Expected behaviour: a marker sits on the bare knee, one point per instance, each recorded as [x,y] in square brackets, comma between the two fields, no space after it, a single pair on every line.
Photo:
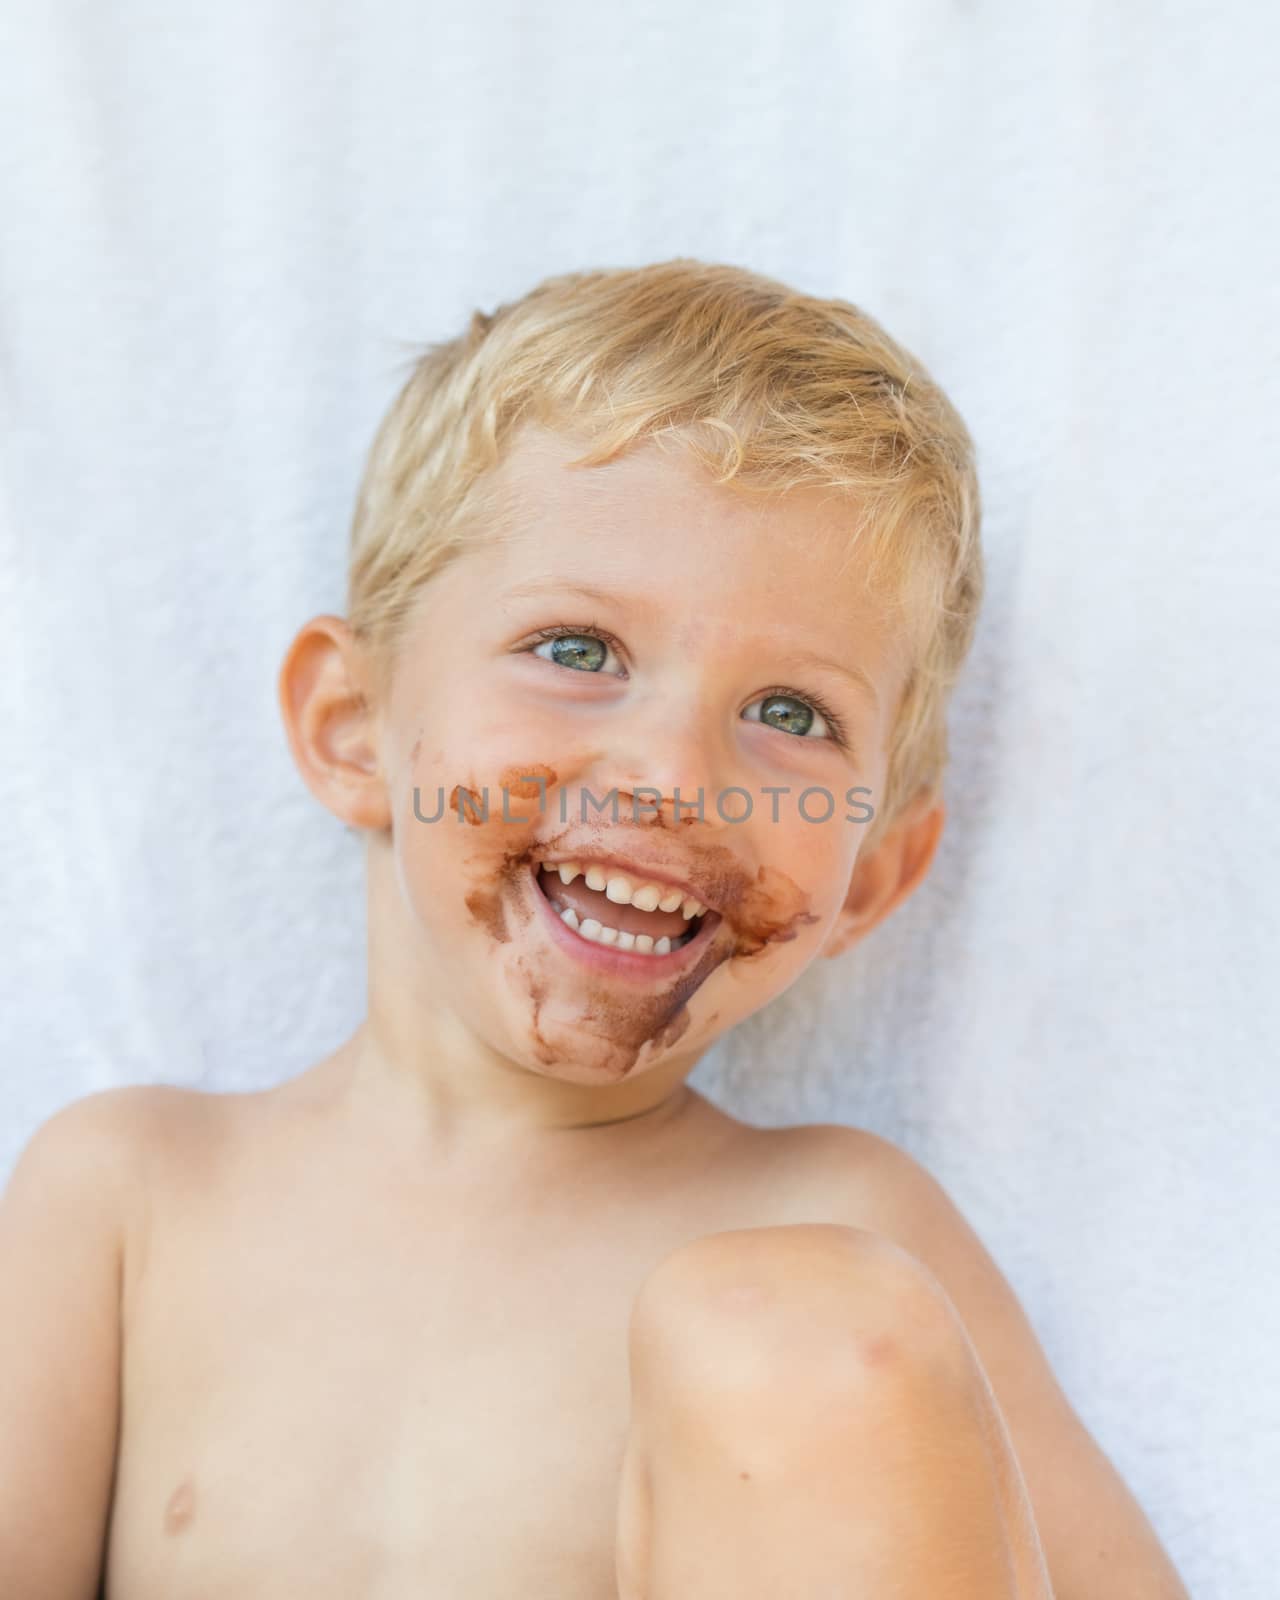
[811,1387]
[763,1319]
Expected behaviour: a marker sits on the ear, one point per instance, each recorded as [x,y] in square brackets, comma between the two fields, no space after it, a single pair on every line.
[885,877]
[330,722]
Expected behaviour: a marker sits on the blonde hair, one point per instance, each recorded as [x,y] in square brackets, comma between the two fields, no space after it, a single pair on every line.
[770,390]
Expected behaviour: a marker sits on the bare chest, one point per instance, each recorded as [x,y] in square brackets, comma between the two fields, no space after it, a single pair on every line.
[326,1400]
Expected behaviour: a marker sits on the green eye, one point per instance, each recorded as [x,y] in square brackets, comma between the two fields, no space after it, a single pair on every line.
[576,648]
[570,650]
[788,713]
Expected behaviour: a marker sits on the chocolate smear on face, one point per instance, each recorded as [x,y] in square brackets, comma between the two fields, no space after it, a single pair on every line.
[493,902]
[537,993]
[661,1020]
[470,809]
[520,800]
[756,911]
[769,911]
[533,781]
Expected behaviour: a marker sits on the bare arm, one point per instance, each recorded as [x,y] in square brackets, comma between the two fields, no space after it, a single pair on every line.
[1097,1540]
[62,1230]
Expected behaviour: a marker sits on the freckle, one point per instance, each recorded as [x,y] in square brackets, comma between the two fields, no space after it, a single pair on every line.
[181,1508]
[744,1474]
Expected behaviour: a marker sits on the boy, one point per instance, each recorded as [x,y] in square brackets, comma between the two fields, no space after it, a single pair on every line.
[659,582]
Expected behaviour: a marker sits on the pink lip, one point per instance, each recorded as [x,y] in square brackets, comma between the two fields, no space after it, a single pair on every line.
[611,962]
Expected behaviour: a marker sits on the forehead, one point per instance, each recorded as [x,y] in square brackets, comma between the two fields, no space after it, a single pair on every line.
[655,522]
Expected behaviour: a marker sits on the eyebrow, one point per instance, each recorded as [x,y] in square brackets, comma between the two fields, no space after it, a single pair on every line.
[561,586]
[806,658]
[802,658]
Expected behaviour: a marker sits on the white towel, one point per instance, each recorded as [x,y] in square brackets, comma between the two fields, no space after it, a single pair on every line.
[223,230]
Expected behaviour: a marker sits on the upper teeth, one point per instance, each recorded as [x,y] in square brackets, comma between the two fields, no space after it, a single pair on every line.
[626,891]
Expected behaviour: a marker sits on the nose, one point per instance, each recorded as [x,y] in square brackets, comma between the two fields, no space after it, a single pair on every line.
[669,741]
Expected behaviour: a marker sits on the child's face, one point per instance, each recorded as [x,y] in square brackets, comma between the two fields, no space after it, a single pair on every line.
[707,630]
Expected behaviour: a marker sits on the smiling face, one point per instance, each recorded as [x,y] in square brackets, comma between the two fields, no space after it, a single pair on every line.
[635,634]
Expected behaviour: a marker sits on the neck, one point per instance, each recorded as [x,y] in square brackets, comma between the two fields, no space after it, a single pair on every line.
[415,1051]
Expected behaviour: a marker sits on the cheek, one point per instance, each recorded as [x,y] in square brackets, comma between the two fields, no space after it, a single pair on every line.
[465,831]
[466,743]
[817,856]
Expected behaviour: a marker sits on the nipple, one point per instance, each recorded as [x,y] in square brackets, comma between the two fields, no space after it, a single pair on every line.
[181,1508]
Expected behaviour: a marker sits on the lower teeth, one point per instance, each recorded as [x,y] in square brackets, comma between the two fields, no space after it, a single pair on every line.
[639,943]
[595,932]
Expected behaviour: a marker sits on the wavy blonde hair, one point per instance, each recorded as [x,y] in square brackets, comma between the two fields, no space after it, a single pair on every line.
[770,390]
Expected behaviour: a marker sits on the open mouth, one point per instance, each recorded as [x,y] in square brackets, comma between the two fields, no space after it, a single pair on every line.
[605,906]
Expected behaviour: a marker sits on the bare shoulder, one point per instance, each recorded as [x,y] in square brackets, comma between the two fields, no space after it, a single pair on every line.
[875,1184]
[865,1180]
[105,1155]
[105,1135]
[860,1177]
[96,1140]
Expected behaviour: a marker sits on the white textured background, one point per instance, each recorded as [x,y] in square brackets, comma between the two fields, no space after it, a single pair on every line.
[221,229]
